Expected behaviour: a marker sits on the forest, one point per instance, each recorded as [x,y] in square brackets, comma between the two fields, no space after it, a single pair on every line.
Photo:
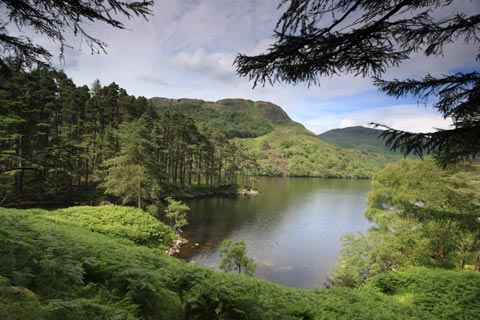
[84,144]
[63,141]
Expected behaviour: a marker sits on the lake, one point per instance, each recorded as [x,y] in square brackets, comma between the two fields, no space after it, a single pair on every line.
[292,229]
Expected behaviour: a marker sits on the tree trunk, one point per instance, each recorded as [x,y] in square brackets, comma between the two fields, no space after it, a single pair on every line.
[477,263]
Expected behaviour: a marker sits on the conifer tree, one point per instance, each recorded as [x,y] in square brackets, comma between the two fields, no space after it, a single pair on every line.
[133,174]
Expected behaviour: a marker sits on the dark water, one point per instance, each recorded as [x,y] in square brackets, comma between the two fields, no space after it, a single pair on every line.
[292,229]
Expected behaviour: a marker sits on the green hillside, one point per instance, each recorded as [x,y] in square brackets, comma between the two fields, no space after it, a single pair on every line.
[281,146]
[361,138]
[55,267]
[294,151]
[236,118]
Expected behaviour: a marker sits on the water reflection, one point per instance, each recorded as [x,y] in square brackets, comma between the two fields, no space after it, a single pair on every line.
[292,229]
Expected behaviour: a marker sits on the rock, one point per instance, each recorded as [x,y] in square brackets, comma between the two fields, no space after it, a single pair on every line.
[248,192]
[106,203]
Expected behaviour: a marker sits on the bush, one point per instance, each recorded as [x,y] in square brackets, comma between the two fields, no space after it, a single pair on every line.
[124,222]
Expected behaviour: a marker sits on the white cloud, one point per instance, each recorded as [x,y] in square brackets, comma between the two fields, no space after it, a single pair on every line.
[410,117]
[151,79]
[347,123]
[217,65]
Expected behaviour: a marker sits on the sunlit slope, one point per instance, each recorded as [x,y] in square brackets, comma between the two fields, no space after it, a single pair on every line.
[295,151]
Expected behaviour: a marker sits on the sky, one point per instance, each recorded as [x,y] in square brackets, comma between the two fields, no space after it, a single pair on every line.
[187,48]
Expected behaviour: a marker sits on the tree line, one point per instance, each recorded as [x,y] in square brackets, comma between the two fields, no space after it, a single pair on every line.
[58,138]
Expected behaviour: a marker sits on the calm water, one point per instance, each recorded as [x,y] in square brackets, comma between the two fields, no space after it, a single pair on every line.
[292,229]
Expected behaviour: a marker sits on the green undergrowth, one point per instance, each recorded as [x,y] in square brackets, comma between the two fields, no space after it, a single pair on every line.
[54,267]
[118,221]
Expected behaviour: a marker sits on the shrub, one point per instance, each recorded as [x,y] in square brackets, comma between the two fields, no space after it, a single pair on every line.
[124,222]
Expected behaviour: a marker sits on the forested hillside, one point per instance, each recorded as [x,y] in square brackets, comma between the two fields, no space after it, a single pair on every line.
[281,146]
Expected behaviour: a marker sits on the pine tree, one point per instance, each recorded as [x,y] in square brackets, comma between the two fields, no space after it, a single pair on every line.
[133,174]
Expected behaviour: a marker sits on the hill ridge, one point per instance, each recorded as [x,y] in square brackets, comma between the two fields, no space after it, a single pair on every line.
[359,138]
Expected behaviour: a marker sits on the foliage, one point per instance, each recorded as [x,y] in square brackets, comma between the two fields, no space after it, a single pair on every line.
[132,175]
[423,215]
[235,258]
[177,212]
[427,290]
[123,222]
[60,270]
[316,38]
[54,18]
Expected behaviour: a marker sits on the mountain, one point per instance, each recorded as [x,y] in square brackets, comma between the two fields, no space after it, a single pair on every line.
[360,138]
[281,146]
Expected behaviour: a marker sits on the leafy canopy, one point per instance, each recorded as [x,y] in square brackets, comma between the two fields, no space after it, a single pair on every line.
[422,215]
[316,38]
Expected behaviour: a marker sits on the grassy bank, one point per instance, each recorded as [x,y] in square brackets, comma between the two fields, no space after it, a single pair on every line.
[92,263]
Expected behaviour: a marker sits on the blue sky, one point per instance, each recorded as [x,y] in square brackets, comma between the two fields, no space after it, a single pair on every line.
[187,48]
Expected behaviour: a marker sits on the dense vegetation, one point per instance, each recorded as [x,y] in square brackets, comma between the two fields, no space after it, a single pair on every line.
[423,216]
[361,138]
[281,146]
[57,138]
[56,269]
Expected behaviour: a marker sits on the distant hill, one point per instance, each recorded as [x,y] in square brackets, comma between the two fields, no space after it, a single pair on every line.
[281,146]
[360,138]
